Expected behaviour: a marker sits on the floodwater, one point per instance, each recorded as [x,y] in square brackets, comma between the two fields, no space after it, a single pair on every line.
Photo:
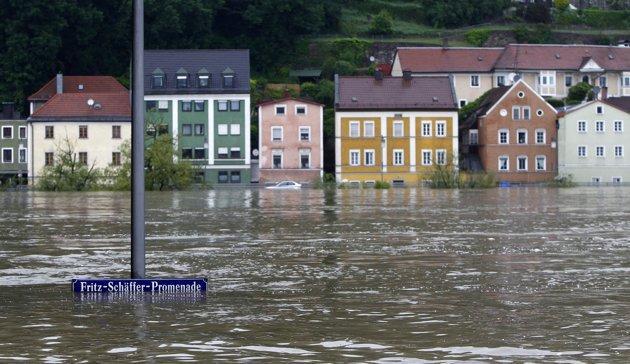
[404,275]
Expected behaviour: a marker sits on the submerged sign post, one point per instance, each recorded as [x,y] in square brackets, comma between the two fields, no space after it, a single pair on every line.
[138,283]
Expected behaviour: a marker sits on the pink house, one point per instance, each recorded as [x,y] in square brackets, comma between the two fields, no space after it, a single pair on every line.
[290,140]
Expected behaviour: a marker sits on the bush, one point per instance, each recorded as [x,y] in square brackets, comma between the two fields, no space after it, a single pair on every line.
[449,177]
[579,93]
[67,173]
[607,19]
[478,37]
[539,34]
[562,182]
[382,23]
[381,185]
[561,5]
[162,171]
[325,182]
[555,102]
[537,12]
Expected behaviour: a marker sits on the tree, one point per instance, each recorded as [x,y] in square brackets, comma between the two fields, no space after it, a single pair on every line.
[580,92]
[118,178]
[561,5]
[382,23]
[163,170]
[68,173]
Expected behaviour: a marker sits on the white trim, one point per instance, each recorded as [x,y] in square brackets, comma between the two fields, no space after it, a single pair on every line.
[422,124]
[430,157]
[275,109]
[7,127]
[277,152]
[365,123]
[300,133]
[20,132]
[518,131]
[544,131]
[25,154]
[478,81]
[622,151]
[602,123]
[445,132]
[507,136]
[437,159]
[603,149]
[276,127]
[365,152]
[507,163]
[2,156]
[460,103]
[248,132]
[585,123]
[544,163]
[358,153]
[350,124]
[585,151]
[530,89]
[305,109]
[402,128]
[321,141]
[518,159]
[402,159]
[615,126]
[260,129]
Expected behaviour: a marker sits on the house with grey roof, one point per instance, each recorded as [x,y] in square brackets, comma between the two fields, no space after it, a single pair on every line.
[201,98]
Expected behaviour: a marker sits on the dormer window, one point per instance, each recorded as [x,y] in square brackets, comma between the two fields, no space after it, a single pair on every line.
[158,79]
[182,78]
[203,78]
[228,78]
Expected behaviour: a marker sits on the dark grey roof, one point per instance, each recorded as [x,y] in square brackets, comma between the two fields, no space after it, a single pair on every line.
[214,61]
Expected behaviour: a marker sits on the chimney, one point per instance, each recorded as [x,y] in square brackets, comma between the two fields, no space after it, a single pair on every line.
[604,93]
[378,74]
[406,75]
[8,109]
[59,82]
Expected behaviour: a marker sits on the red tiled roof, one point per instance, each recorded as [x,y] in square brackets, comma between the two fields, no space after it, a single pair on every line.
[298,99]
[622,103]
[91,84]
[394,93]
[433,59]
[73,106]
[563,57]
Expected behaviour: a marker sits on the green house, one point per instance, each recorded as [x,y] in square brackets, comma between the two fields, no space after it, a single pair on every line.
[13,146]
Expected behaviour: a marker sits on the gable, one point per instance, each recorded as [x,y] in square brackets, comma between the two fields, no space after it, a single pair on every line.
[591,66]
[510,98]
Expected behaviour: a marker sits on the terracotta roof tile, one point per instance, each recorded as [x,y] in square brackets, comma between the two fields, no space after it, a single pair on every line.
[432,59]
[563,57]
[622,103]
[71,84]
[287,98]
[75,106]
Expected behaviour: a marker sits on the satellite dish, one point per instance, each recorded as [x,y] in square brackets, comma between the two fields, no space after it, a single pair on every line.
[90,102]
[511,77]
[596,90]
[255,152]
[372,59]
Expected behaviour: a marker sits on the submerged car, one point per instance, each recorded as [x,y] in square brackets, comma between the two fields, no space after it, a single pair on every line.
[285,185]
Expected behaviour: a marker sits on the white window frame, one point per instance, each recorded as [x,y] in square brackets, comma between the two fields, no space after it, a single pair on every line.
[365,158]
[281,133]
[162,104]
[520,116]
[305,110]
[437,128]
[501,83]
[472,132]
[579,147]
[596,180]
[615,123]
[582,122]
[358,154]
[464,101]
[529,113]
[422,154]
[599,108]
[303,152]
[222,129]
[507,136]
[472,84]
[2,156]
[234,149]
[358,125]
[422,130]
[507,163]
[622,151]
[300,133]
[437,157]
[20,128]
[365,128]
[544,157]
[544,134]
[402,157]
[25,154]
[235,132]
[547,83]
[275,109]
[603,149]
[602,123]
[518,159]
[401,125]
[518,131]
[280,153]
[7,127]
[619,178]
[225,103]
[227,152]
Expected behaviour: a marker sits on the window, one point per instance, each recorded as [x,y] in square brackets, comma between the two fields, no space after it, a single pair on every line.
[504,163]
[22,155]
[618,151]
[200,153]
[516,113]
[426,157]
[116,159]
[223,177]
[504,136]
[473,136]
[235,177]
[462,103]
[199,129]
[541,163]
[187,129]
[116,132]
[83,158]
[49,132]
[276,133]
[369,157]
[7,155]
[595,180]
[300,109]
[426,128]
[305,133]
[22,132]
[616,180]
[305,158]
[440,128]
[235,129]
[520,94]
[526,113]
[151,105]
[355,158]
[568,80]
[500,80]
[200,105]
[440,156]
[163,105]
[354,129]
[182,81]
[539,112]
[7,132]
[581,126]
[235,105]
[222,129]
[521,136]
[276,158]
[398,129]
[222,152]
[368,129]
[599,110]
[399,157]
[203,81]
[228,81]
[187,153]
[618,126]
[521,163]
[582,151]
[49,159]
[626,81]
[186,106]
[585,79]
[158,81]
[235,153]
[83,132]
[547,78]
[541,137]
[599,126]
[281,110]
[599,151]
[602,81]
[474,80]
[222,105]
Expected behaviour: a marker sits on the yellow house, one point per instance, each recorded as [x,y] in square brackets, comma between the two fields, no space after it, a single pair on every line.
[394,129]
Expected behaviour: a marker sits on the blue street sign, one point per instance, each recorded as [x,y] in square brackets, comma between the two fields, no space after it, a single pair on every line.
[170,286]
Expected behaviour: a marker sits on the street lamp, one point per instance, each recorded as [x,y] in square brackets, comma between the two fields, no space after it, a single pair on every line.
[382,157]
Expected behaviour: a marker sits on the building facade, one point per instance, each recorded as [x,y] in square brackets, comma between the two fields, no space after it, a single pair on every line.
[593,142]
[291,140]
[201,98]
[514,135]
[394,129]
[13,146]
[548,69]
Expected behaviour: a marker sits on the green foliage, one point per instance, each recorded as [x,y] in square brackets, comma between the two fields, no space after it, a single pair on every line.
[162,171]
[454,13]
[539,34]
[579,92]
[325,182]
[447,176]
[606,19]
[562,182]
[537,12]
[471,107]
[118,178]
[561,5]
[478,37]
[382,185]
[555,102]
[382,23]
[67,173]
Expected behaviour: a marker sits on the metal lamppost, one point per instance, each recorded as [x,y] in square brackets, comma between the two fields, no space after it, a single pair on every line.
[382,156]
